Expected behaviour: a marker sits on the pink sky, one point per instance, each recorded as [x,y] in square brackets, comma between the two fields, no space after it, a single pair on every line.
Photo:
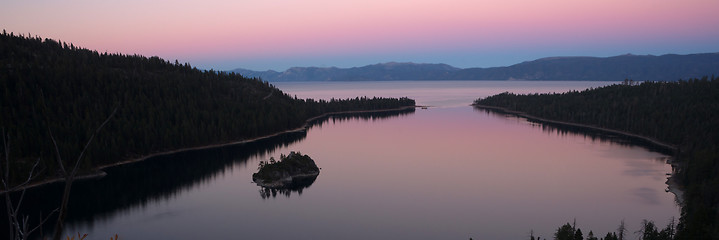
[280,34]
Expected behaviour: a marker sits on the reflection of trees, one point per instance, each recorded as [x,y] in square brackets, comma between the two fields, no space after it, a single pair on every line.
[162,178]
[152,180]
[366,116]
[593,134]
[297,185]
[681,114]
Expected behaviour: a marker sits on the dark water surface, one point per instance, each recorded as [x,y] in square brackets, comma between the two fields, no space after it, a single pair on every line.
[447,172]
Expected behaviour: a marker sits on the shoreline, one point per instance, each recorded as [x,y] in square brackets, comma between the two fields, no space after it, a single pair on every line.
[672,185]
[97,172]
[281,183]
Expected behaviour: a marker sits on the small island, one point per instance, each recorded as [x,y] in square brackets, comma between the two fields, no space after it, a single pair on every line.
[290,169]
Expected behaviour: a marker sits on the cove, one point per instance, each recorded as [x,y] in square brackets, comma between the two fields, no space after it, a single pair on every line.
[446,172]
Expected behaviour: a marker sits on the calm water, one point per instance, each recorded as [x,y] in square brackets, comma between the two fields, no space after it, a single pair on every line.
[447,172]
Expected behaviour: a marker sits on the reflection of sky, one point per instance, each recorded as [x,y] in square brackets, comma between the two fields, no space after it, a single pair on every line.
[647,195]
[440,173]
[432,93]
[459,165]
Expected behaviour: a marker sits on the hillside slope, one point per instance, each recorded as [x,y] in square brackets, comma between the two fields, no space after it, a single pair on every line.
[49,86]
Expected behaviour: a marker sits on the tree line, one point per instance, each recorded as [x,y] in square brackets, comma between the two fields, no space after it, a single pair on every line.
[54,96]
[160,105]
[648,231]
[684,113]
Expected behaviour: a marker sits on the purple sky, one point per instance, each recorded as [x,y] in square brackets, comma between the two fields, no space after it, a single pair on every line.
[263,35]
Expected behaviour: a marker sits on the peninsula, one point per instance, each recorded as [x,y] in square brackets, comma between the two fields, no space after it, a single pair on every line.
[160,107]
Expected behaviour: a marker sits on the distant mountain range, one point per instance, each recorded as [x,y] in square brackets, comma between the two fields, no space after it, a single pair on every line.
[668,67]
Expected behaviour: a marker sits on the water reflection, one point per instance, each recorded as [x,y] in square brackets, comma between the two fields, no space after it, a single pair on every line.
[297,185]
[365,116]
[645,195]
[593,134]
[139,184]
[162,178]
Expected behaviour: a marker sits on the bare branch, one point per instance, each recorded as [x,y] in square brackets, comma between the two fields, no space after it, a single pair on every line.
[70,177]
[6,173]
[24,226]
[29,177]
[42,221]
[18,225]
[6,145]
[54,142]
[57,151]
[77,162]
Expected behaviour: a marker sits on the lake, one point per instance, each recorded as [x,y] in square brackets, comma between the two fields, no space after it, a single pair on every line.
[446,172]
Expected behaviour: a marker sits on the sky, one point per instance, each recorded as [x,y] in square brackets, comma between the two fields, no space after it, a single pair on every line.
[279,34]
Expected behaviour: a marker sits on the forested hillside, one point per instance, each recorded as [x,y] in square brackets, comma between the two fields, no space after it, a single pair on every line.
[683,113]
[47,86]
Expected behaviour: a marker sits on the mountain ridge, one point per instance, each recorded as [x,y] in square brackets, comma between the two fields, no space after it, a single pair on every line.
[667,67]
